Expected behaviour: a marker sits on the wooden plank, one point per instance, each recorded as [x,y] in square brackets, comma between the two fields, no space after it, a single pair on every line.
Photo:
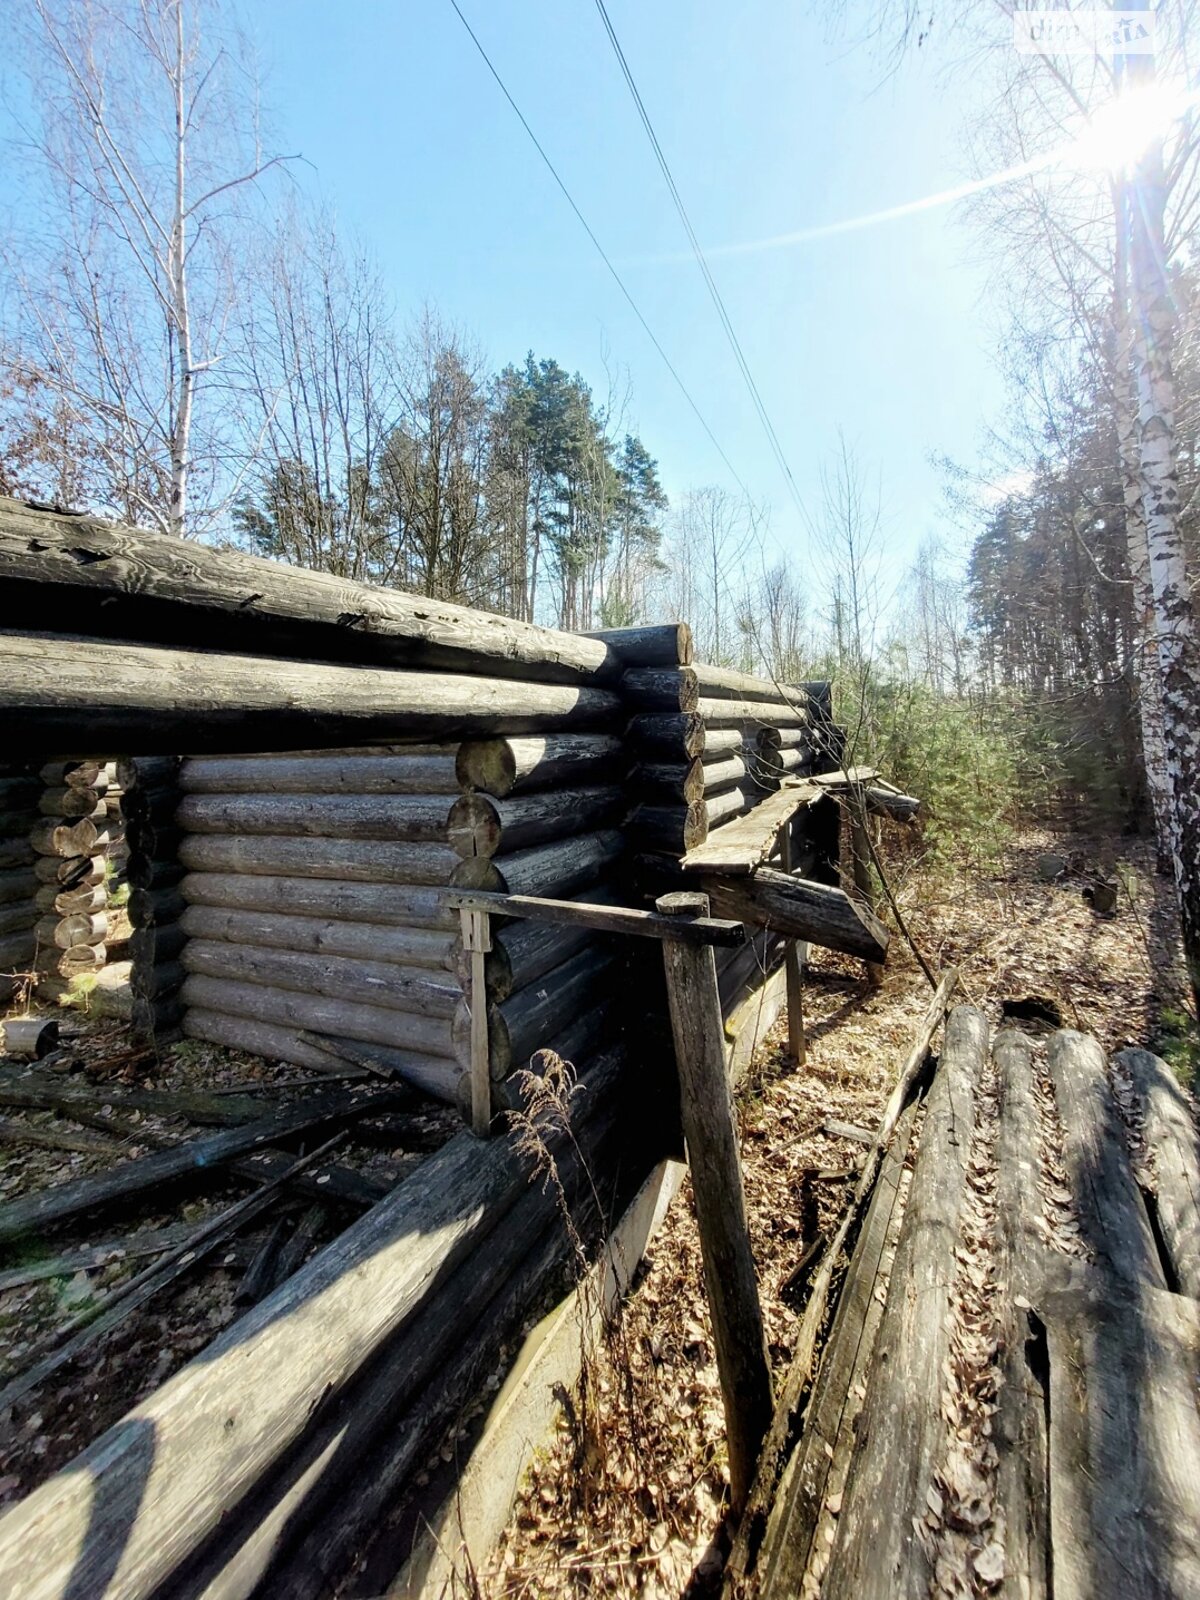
[786,1422]
[1170,1135]
[821,1461]
[602,918]
[878,1555]
[742,845]
[1112,1216]
[1124,1443]
[50,1208]
[710,1130]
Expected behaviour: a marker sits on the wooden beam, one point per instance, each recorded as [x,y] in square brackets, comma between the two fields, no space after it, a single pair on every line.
[395,907]
[660,644]
[814,911]
[506,766]
[480,825]
[82,574]
[710,1129]
[742,845]
[59,690]
[354,861]
[332,774]
[602,918]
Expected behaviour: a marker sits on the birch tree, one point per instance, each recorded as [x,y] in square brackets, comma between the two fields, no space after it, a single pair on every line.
[146,154]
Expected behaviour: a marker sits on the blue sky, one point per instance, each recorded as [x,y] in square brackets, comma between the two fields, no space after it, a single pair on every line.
[768,127]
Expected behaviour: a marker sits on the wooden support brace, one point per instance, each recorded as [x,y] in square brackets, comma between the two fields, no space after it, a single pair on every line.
[477,942]
[711,1134]
[794,954]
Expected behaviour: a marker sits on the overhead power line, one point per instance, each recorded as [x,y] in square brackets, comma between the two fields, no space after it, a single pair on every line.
[715,293]
[600,250]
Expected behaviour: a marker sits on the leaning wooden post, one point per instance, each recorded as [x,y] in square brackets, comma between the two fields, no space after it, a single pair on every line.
[477,941]
[794,955]
[860,855]
[711,1134]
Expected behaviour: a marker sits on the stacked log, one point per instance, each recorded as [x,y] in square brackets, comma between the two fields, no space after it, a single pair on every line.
[310,905]
[697,734]
[20,790]
[537,816]
[71,840]
[150,789]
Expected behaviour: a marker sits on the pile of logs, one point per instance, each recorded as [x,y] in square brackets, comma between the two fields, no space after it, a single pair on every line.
[312,925]
[20,790]
[538,816]
[72,838]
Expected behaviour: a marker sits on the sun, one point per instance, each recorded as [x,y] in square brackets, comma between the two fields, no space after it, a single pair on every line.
[1116,135]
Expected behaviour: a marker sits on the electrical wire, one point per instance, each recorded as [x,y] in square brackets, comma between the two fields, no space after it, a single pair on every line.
[715,293]
[600,250]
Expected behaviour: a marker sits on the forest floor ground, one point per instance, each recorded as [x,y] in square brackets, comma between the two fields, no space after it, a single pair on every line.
[630,1497]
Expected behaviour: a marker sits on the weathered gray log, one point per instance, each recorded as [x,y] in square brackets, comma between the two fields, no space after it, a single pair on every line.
[724,683]
[18,883]
[1170,1135]
[333,774]
[70,872]
[155,907]
[20,793]
[407,947]
[659,644]
[259,1277]
[66,839]
[887,802]
[40,1091]
[814,911]
[134,584]
[89,1258]
[317,1013]
[1124,1436]
[49,1208]
[416,819]
[264,1039]
[1112,1215]
[18,916]
[878,1554]
[152,945]
[72,802]
[753,714]
[724,773]
[671,737]
[399,905]
[661,688]
[17,948]
[157,982]
[158,698]
[522,952]
[67,902]
[710,1129]
[680,782]
[433,1075]
[480,825]
[675,829]
[15,852]
[15,1132]
[77,774]
[775,740]
[380,983]
[770,767]
[556,870]
[533,1017]
[76,962]
[579,1043]
[1019,1425]
[357,1292]
[723,807]
[720,743]
[502,767]
[80,927]
[29,1037]
[351,860]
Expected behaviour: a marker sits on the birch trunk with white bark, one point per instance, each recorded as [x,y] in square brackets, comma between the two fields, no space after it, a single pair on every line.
[1174,613]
